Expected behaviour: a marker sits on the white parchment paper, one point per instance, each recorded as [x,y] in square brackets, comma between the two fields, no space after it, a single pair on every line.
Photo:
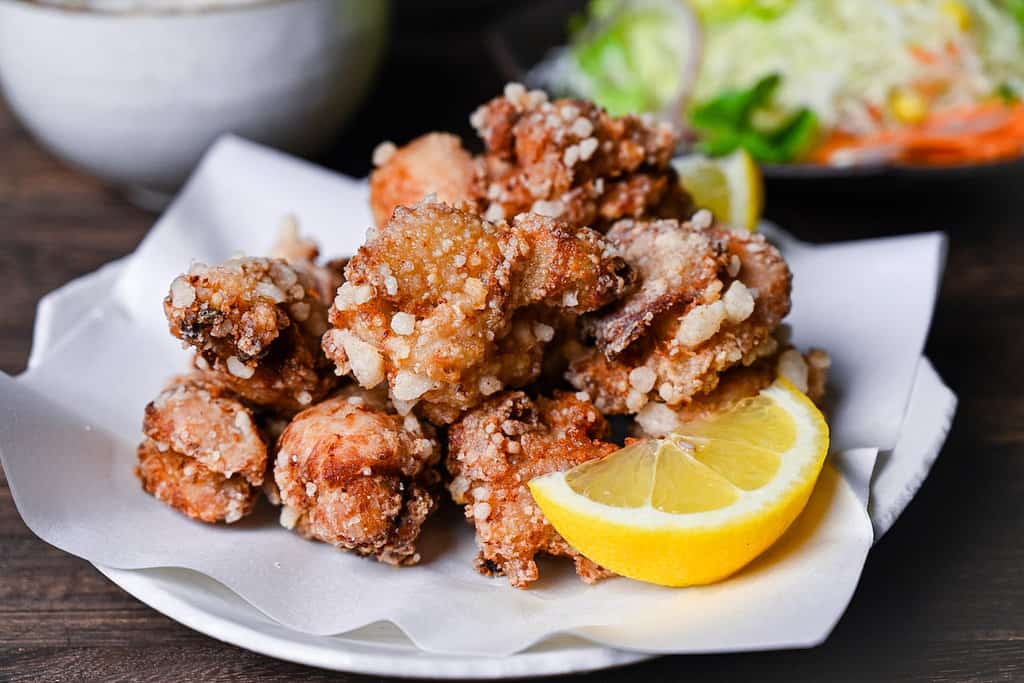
[71,423]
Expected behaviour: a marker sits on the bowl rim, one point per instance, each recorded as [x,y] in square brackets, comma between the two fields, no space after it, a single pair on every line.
[213,8]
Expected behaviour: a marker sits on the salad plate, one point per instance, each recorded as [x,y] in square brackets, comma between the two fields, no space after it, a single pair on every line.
[934,116]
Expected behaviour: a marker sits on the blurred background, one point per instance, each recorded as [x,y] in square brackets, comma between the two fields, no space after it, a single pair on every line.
[106,112]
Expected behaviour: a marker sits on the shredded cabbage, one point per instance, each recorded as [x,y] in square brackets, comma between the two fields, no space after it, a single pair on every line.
[844,59]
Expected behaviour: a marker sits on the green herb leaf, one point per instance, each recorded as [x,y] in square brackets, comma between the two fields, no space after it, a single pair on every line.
[1006,93]
[726,123]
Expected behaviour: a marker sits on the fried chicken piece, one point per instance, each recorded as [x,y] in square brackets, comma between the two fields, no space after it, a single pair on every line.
[449,308]
[354,474]
[808,372]
[303,253]
[202,421]
[202,452]
[676,266]
[192,488]
[435,163]
[567,159]
[709,299]
[495,450]
[256,324]
[570,159]
[291,246]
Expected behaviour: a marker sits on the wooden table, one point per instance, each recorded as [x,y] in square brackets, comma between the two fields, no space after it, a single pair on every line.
[942,596]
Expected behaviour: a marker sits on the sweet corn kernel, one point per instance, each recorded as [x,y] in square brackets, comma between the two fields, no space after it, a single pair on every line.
[958,12]
[908,106]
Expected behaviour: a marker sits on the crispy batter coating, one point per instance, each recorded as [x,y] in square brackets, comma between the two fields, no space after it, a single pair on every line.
[709,299]
[435,163]
[256,324]
[354,474]
[808,372]
[192,488]
[303,253]
[676,266]
[572,160]
[495,450]
[202,421]
[449,308]
[202,453]
[567,159]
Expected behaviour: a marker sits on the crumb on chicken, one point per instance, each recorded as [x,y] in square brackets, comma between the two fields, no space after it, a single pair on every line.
[192,488]
[570,159]
[202,421]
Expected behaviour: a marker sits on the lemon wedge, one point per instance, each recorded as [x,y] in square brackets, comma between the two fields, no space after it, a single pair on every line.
[731,187]
[697,506]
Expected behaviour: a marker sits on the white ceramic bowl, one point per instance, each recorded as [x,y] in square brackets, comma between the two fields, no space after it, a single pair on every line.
[136,98]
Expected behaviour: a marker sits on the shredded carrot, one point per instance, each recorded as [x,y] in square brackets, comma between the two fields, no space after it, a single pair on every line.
[991,131]
[923,55]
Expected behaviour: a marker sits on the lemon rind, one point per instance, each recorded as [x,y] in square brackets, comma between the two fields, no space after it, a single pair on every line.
[808,452]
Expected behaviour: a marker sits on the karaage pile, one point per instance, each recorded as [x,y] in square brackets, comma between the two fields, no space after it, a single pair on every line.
[502,307]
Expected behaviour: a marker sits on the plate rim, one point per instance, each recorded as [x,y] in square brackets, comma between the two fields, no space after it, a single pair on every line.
[595,657]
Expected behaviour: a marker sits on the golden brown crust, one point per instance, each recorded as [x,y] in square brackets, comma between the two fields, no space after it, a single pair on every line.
[240,307]
[495,450]
[291,377]
[192,488]
[256,324]
[356,475]
[695,321]
[675,266]
[567,159]
[435,163]
[571,159]
[202,421]
[447,307]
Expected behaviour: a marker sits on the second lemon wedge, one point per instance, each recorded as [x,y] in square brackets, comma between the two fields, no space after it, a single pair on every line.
[697,506]
[731,187]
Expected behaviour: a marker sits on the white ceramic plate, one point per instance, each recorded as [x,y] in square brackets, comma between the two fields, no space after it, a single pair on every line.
[205,606]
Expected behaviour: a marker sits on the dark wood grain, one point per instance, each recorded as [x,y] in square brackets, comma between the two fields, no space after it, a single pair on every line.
[942,596]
